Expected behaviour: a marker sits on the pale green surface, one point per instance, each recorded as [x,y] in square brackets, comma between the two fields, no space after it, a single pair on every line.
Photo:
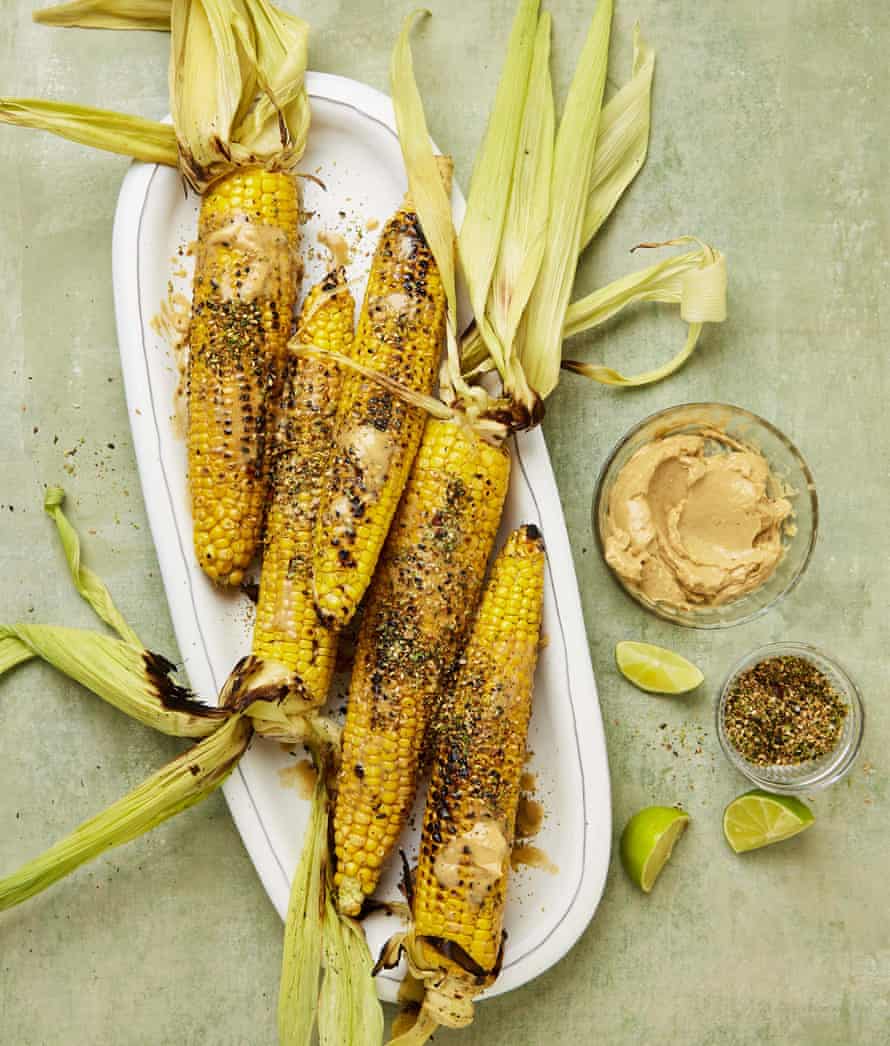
[770,128]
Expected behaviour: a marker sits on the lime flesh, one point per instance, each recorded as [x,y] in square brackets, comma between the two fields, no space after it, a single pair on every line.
[647,842]
[759,818]
[655,669]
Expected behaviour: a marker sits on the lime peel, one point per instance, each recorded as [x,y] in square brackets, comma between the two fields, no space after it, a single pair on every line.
[648,841]
[656,669]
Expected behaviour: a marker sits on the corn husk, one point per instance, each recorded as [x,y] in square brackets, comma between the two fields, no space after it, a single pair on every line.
[133,680]
[621,146]
[525,227]
[348,1008]
[483,224]
[540,345]
[179,785]
[237,90]
[13,651]
[316,936]
[120,671]
[145,140]
[236,86]
[424,180]
[89,585]
[696,281]
[108,14]
[427,191]
[622,140]
[303,928]
[412,1028]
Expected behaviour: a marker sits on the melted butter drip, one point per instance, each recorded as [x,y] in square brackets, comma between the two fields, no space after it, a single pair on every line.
[474,860]
[337,245]
[263,247]
[301,776]
[532,857]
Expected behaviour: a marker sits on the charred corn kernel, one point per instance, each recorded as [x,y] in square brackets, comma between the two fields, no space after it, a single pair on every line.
[246,274]
[287,629]
[417,613]
[400,333]
[470,816]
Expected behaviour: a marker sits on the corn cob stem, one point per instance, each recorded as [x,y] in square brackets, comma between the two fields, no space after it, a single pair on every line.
[418,610]
[454,944]
[400,332]
[245,285]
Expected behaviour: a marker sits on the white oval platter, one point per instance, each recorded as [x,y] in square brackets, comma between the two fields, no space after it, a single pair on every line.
[353,148]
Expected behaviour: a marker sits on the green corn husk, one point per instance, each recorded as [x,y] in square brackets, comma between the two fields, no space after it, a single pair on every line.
[179,785]
[621,146]
[348,1008]
[89,585]
[144,140]
[316,936]
[525,226]
[134,680]
[108,14]
[424,181]
[303,929]
[120,671]
[540,346]
[622,140]
[12,651]
[696,281]
[432,205]
[483,223]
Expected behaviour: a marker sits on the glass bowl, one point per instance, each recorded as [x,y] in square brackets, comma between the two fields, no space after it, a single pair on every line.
[787,465]
[815,773]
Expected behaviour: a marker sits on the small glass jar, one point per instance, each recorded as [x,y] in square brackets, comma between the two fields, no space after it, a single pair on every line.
[814,773]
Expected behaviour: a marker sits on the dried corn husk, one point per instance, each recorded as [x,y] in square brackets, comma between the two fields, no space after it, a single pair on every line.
[524,235]
[622,140]
[540,344]
[108,14]
[483,224]
[696,281]
[236,89]
[236,86]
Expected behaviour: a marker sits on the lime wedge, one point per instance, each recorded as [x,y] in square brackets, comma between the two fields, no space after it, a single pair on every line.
[758,818]
[656,670]
[647,842]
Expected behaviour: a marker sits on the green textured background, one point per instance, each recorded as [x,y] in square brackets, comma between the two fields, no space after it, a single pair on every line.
[769,140]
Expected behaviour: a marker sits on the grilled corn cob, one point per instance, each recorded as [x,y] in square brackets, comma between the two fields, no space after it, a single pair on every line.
[400,333]
[291,647]
[418,610]
[246,274]
[454,944]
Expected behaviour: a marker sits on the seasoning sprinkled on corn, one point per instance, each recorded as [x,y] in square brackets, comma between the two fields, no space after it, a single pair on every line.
[454,944]
[418,611]
[400,333]
[245,287]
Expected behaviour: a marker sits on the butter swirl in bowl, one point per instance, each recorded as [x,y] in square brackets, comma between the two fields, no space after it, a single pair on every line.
[706,514]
